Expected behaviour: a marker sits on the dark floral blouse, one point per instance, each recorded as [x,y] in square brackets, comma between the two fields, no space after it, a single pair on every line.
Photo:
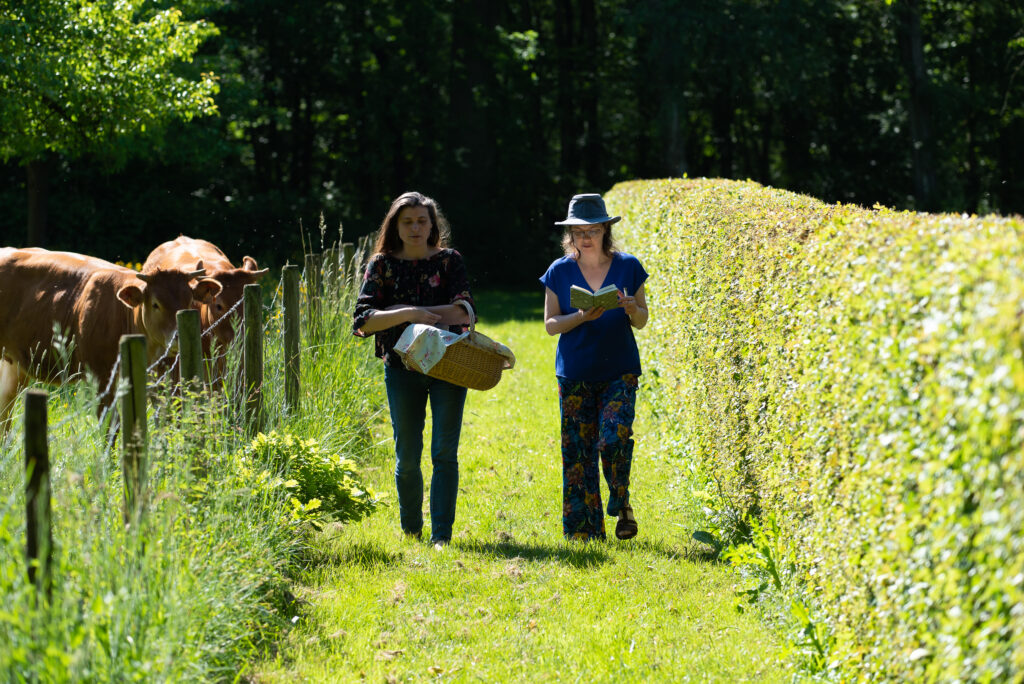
[435,281]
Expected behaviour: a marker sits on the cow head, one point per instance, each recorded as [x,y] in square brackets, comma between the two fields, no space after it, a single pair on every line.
[157,296]
[233,282]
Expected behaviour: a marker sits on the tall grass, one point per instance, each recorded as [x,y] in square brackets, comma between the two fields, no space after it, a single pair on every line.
[200,587]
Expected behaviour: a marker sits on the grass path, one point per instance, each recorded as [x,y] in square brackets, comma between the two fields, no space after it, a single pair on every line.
[509,600]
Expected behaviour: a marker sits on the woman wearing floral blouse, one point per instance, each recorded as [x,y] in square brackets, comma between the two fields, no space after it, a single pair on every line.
[413,278]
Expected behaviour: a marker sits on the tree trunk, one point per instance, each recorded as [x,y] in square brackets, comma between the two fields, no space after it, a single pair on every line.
[972,189]
[471,138]
[675,149]
[918,105]
[367,185]
[566,103]
[764,150]
[38,192]
[303,138]
[646,108]
[797,163]
[588,97]
[722,116]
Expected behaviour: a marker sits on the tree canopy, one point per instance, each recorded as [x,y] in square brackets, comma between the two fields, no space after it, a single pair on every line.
[79,75]
[503,110]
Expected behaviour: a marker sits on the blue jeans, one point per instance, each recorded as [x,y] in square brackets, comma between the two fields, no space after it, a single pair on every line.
[408,392]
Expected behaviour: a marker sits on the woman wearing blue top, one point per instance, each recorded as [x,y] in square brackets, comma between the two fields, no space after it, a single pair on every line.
[597,364]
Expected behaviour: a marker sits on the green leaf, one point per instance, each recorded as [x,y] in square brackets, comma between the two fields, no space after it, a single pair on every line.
[707,538]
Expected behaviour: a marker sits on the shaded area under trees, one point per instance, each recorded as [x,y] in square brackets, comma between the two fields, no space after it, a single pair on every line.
[502,110]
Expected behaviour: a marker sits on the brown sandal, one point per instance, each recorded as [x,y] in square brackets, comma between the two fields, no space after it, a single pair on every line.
[626,528]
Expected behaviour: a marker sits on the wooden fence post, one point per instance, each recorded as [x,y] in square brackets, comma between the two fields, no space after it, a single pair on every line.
[190,349]
[252,356]
[292,316]
[314,288]
[133,425]
[39,541]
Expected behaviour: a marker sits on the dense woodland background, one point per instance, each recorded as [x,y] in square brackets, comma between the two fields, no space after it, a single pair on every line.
[503,110]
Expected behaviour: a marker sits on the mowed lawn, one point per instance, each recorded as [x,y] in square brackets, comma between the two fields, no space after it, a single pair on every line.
[509,599]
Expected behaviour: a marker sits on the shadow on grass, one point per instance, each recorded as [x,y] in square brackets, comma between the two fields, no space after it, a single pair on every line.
[693,552]
[363,554]
[578,554]
[498,306]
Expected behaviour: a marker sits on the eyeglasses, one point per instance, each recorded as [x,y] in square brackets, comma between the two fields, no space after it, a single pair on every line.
[591,233]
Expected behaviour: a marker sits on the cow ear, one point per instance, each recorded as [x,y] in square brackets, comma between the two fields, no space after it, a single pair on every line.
[130,296]
[206,290]
[250,267]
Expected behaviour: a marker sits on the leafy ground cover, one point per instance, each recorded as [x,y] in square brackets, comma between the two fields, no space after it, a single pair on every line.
[509,599]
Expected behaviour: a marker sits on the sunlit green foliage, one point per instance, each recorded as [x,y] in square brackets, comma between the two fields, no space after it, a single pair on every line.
[78,76]
[856,376]
[314,474]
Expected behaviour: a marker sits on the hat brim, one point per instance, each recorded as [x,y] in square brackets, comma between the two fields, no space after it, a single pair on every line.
[588,222]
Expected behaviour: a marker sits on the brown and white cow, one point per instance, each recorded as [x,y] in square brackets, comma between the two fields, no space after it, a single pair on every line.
[92,302]
[185,252]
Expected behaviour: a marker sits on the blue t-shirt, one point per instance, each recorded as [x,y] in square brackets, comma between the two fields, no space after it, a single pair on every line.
[602,349]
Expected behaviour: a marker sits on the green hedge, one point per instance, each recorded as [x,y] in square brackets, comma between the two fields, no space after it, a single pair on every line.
[855,375]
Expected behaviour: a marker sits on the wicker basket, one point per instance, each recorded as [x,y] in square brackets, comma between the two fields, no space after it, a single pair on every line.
[470,362]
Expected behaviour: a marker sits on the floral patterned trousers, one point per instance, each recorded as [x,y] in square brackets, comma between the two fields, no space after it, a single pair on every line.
[597,425]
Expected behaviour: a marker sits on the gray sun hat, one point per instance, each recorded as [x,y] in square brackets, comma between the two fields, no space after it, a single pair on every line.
[585,210]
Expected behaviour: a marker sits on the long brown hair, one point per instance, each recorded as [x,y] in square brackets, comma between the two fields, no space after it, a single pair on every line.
[388,240]
[607,241]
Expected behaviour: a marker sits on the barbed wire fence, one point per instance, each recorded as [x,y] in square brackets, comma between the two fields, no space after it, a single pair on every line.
[327,282]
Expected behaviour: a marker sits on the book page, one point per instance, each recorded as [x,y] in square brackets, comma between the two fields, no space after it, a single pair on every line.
[580,298]
[607,297]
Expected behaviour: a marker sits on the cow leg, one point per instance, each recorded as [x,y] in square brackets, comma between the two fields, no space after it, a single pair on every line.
[12,381]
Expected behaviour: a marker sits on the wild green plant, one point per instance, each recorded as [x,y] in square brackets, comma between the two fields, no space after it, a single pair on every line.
[202,584]
[771,579]
[313,474]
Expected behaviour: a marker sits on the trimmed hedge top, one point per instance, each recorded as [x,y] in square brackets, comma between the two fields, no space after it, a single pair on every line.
[858,375]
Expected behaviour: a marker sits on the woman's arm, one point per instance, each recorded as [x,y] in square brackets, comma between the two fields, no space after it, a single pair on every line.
[458,291]
[396,315]
[555,322]
[636,307]
[451,314]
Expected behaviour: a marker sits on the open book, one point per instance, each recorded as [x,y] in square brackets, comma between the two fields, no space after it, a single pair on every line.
[606,297]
